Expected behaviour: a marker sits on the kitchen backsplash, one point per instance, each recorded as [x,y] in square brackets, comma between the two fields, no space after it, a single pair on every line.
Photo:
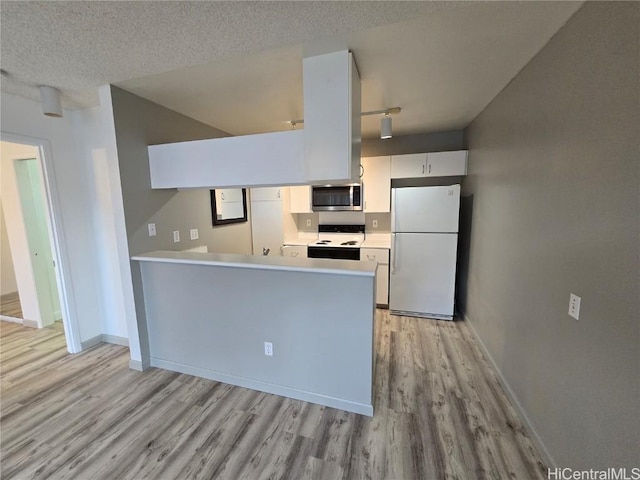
[383,219]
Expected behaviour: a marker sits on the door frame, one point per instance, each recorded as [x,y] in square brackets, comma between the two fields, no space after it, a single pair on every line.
[56,237]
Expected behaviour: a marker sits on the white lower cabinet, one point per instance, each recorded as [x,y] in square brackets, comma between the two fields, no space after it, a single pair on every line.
[294,251]
[380,255]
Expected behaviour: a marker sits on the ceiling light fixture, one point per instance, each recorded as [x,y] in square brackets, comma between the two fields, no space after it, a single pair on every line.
[385,127]
[50,98]
[385,123]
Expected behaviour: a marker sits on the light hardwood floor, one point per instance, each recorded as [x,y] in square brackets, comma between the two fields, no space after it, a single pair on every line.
[10,305]
[439,414]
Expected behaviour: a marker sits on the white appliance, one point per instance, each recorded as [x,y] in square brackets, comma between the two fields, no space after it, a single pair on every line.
[337,241]
[424,242]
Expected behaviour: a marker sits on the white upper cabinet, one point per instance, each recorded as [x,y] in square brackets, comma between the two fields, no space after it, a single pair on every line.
[438,164]
[300,198]
[266,194]
[331,90]
[409,166]
[443,164]
[376,184]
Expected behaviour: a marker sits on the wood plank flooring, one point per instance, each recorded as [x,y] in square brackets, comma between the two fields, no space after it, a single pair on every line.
[440,413]
[10,305]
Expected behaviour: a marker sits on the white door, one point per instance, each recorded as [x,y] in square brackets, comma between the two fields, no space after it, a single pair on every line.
[300,199]
[425,209]
[442,164]
[423,273]
[413,165]
[267,228]
[376,183]
[265,194]
[33,212]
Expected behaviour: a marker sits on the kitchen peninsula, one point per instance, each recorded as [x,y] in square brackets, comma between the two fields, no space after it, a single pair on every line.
[219,316]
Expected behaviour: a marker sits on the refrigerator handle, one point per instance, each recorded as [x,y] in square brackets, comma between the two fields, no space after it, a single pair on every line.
[393,209]
[393,253]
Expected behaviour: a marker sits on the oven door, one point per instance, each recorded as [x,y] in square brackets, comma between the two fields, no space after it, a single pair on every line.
[340,253]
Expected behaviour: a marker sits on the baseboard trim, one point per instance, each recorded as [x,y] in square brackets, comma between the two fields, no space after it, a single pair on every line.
[92,342]
[138,365]
[533,434]
[30,323]
[333,402]
[114,339]
[104,338]
[11,319]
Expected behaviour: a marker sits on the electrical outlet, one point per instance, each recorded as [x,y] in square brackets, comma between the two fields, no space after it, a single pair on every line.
[574,306]
[375,224]
[194,233]
[176,236]
[308,222]
[152,229]
[268,349]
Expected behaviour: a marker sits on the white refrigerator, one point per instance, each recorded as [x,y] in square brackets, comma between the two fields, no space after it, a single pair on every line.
[424,243]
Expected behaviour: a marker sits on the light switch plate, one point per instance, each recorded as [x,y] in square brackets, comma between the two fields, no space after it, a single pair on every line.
[194,234]
[308,222]
[176,236]
[574,306]
[375,224]
[152,229]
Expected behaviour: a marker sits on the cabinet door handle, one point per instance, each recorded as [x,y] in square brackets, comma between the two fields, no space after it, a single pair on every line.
[371,257]
[429,171]
[423,168]
[294,254]
[221,195]
[278,193]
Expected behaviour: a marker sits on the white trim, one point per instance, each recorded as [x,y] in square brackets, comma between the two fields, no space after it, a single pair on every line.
[56,234]
[105,338]
[139,366]
[92,342]
[305,396]
[546,456]
[11,319]
[30,323]
[115,340]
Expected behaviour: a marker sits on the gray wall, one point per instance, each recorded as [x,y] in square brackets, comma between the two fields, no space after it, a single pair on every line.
[140,123]
[424,142]
[551,207]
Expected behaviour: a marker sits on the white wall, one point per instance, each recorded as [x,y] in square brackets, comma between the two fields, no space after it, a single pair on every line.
[16,230]
[8,282]
[73,198]
[95,147]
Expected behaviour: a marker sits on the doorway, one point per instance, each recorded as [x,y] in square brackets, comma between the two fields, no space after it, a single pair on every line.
[34,236]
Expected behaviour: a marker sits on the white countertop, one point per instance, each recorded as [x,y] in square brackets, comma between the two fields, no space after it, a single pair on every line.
[377,240]
[302,238]
[313,265]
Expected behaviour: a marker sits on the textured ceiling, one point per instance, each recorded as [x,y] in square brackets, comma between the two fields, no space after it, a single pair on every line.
[237,65]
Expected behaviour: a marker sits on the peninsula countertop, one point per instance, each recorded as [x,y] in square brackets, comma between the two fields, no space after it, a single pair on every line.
[314,265]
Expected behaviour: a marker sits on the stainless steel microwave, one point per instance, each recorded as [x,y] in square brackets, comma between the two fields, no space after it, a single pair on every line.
[336,198]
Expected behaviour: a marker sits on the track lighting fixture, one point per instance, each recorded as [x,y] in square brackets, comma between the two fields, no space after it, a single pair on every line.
[385,127]
[50,98]
[385,122]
